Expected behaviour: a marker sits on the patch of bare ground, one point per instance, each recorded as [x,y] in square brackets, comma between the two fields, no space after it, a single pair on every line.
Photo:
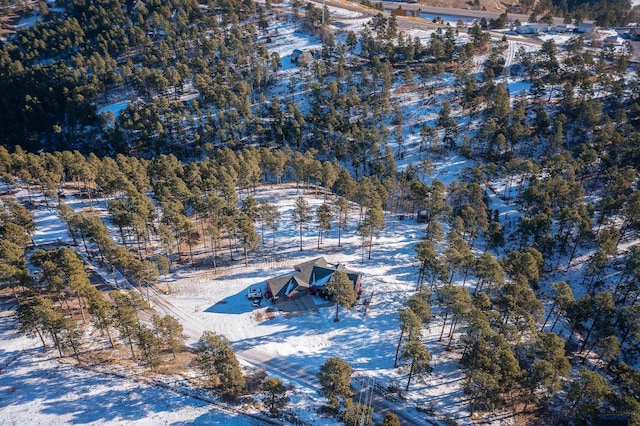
[534,415]
[264,315]
[102,356]
[178,366]
[406,88]
[490,5]
[254,380]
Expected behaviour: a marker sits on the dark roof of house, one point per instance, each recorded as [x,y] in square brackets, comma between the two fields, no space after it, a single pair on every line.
[305,269]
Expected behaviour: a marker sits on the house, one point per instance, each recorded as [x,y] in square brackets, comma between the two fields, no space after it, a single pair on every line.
[586,27]
[563,28]
[530,28]
[310,278]
[612,40]
[298,54]
[139,4]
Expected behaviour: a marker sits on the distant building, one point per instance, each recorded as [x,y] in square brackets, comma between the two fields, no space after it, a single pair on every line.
[536,28]
[563,28]
[139,4]
[298,54]
[634,33]
[614,39]
[399,12]
[586,28]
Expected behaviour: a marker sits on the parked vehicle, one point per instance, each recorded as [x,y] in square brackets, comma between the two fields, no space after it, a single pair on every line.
[254,293]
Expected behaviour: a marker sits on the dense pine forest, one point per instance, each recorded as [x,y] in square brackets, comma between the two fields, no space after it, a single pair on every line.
[529,257]
[603,12]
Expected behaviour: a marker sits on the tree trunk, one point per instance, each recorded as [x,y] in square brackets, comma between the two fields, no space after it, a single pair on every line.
[548,316]
[395,361]
[81,305]
[444,323]
[44,344]
[133,355]
[452,330]
[230,250]
[139,247]
[586,339]
[56,341]
[573,253]
[84,243]
[109,336]
[124,240]
[213,253]
[75,349]
[410,375]
[554,323]
[300,236]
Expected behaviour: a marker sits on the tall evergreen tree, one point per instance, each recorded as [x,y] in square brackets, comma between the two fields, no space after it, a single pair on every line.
[341,290]
[301,215]
[335,381]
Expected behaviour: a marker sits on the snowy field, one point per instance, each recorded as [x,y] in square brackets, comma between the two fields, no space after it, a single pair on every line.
[289,346]
[37,388]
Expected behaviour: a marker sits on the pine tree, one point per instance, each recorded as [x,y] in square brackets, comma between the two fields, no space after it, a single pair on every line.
[324,217]
[249,238]
[274,395]
[170,332]
[341,290]
[218,361]
[390,419]
[126,314]
[420,358]
[586,395]
[301,215]
[342,217]
[372,223]
[356,414]
[410,325]
[335,381]
[150,345]
[102,310]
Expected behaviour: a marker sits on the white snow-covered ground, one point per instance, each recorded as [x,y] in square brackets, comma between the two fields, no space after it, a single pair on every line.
[114,108]
[36,388]
[289,346]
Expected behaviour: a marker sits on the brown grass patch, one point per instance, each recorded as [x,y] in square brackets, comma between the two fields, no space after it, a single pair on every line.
[100,356]
[406,88]
[177,366]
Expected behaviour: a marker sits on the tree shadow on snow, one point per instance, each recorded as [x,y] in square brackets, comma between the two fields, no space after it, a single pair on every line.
[85,397]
